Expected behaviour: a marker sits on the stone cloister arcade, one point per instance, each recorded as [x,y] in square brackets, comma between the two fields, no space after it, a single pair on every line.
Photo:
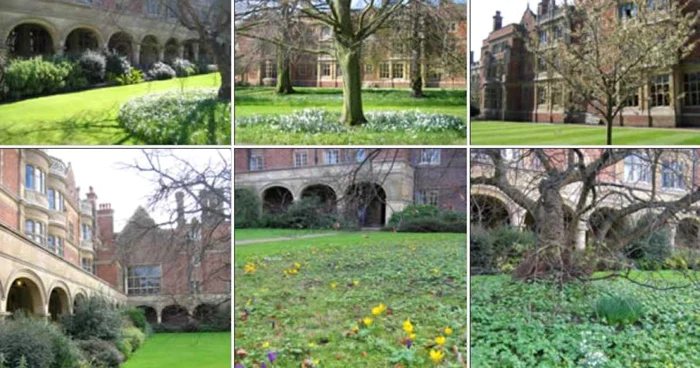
[492,208]
[181,310]
[33,28]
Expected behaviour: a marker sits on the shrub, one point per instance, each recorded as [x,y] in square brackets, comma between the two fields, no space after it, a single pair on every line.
[247,211]
[499,249]
[192,117]
[618,310]
[135,337]
[41,344]
[160,71]
[426,218]
[206,68]
[184,68]
[116,64]
[305,213]
[125,348]
[134,76]
[137,317]
[34,77]
[93,65]
[650,252]
[100,354]
[94,319]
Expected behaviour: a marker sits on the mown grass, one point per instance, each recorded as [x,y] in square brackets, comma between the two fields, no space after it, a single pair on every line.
[512,133]
[253,234]
[312,315]
[516,324]
[82,118]
[183,350]
[263,101]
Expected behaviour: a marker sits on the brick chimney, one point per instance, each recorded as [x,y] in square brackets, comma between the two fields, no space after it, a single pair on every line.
[543,7]
[497,21]
[105,222]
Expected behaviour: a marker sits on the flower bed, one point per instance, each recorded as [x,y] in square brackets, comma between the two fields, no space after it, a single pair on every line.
[176,117]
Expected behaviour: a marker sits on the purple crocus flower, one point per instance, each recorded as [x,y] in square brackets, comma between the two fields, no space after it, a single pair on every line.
[238,366]
[272,356]
[264,365]
[409,343]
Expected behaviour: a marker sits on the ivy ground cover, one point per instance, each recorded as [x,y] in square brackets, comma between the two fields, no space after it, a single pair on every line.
[310,116]
[83,118]
[514,324]
[352,300]
[183,350]
[511,133]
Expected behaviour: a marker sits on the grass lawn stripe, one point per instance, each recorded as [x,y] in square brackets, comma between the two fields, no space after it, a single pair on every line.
[183,350]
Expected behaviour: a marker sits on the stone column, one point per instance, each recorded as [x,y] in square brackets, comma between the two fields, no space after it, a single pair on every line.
[181,51]
[195,50]
[318,74]
[59,47]
[161,54]
[581,235]
[159,314]
[517,218]
[136,50]
[673,227]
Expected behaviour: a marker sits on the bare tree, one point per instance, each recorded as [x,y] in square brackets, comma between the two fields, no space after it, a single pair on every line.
[561,189]
[609,51]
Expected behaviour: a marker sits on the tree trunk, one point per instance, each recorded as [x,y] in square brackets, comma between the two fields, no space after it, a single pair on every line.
[416,75]
[349,60]
[284,77]
[222,58]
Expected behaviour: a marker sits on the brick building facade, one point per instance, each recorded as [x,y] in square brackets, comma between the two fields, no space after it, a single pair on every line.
[57,248]
[145,31]
[398,177]
[513,87]
[389,68]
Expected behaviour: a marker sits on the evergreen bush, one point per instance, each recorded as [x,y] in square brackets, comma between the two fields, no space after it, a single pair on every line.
[94,319]
[247,211]
[93,65]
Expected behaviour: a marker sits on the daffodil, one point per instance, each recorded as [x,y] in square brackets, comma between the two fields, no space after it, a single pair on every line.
[408,326]
[378,309]
[440,340]
[249,268]
[448,331]
[436,356]
[367,321]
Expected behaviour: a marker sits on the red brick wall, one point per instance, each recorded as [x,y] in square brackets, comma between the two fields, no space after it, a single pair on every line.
[10,181]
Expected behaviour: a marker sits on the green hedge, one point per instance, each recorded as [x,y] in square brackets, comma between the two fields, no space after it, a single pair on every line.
[94,319]
[305,213]
[428,219]
[41,344]
[497,250]
[248,208]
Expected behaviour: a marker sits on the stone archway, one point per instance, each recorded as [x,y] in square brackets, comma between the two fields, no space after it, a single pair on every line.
[79,299]
[149,51]
[82,39]
[325,194]
[150,313]
[175,315]
[276,199]
[616,230]
[489,212]
[29,40]
[25,295]
[366,202]
[190,50]
[121,43]
[205,313]
[59,303]
[171,50]
[688,233]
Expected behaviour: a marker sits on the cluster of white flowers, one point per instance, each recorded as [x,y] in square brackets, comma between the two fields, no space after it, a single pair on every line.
[159,116]
[322,121]
[593,357]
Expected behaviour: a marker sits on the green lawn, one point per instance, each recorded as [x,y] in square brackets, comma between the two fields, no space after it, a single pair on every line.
[511,133]
[82,118]
[262,101]
[516,324]
[318,313]
[253,234]
[184,350]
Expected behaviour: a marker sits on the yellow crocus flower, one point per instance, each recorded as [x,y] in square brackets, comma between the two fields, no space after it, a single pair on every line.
[448,331]
[367,321]
[440,340]
[436,356]
[408,326]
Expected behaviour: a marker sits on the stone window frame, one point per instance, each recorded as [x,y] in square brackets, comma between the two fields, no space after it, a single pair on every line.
[31,180]
[56,245]
[672,174]
[660,90]
[256,163]
[56,200]
[398,67]
[325,69]
[430,156]
[301,158]
[37,237]
[637,169]
[150,289]
[87,266]
[384,71]
[691,89]
[430,197]
[331,156]
[369,68]
[85,231]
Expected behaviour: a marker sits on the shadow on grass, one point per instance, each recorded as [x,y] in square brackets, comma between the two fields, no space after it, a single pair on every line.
[84,128]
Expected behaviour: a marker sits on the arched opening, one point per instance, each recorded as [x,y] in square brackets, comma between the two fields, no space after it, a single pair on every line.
[79,299]
[120,43]
[205,56]
[25,296]
[81,40]
[688,234]
[367,203]
[149,51]
[175,315]
[489,212]
[58,303]
[151,314]
[28,40]
[205,313]
[602,226]
[171,50]
[276,200]
[189,50]
[325,194]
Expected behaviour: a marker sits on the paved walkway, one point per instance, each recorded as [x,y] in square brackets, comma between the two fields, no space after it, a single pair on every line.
[282,238]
